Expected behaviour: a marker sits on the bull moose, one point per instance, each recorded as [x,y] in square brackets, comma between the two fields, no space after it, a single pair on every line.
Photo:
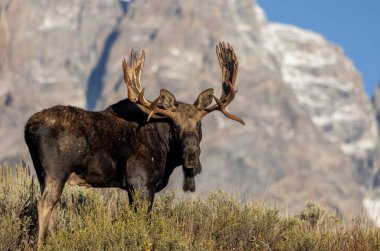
[133,144]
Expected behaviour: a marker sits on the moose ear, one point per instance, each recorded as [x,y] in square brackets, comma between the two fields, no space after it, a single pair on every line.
[168,100]
[204,99]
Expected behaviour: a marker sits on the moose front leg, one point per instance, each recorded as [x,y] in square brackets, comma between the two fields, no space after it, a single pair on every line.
[137,198]
[139,179]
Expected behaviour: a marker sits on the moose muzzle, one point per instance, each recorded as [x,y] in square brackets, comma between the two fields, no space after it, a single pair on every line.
[191,152]
[191,164]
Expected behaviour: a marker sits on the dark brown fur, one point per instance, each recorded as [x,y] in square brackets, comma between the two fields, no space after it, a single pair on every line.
[111,148]
[117,147]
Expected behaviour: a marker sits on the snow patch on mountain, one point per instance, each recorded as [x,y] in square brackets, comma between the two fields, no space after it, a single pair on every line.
[372,208]
[322,80]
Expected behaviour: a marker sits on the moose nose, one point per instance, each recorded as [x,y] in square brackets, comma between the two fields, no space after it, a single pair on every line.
[191,159]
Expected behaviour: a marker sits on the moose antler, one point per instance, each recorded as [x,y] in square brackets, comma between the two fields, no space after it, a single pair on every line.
[132,77]
[229,65]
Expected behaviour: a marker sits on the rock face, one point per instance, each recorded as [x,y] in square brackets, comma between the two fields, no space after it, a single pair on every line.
[50,51]
[328,87]
[311,133]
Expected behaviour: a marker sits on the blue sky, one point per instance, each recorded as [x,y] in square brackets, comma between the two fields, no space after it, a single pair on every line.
[352,24]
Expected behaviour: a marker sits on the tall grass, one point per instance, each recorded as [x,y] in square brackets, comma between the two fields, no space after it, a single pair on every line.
[101,219]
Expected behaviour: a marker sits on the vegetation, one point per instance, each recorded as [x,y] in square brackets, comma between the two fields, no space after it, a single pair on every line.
[101,219]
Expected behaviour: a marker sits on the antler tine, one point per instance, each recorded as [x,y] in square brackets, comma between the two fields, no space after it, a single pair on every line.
[141,66]
[236,63]
[222,108]
[124,65]
[132,77]
[229,65]
[131,58]
[218,53]
[127,80]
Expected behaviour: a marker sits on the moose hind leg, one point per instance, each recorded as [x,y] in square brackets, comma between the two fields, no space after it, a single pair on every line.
[50,196]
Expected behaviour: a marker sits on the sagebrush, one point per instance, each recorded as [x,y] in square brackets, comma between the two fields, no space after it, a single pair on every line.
[101,219]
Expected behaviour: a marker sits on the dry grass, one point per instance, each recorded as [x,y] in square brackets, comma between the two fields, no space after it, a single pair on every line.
[101,219]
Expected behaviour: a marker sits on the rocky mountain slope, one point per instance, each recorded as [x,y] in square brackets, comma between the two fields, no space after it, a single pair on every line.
[311,133]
